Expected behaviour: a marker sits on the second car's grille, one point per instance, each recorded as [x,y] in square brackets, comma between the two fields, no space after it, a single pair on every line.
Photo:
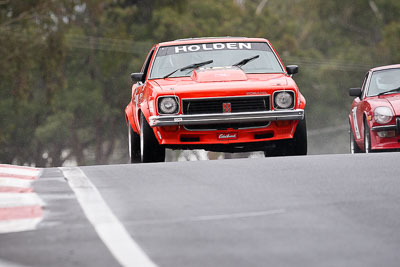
[226,105]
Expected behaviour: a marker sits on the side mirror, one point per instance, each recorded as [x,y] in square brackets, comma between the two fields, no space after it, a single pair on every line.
[292,69]
[136,77]
[355,92]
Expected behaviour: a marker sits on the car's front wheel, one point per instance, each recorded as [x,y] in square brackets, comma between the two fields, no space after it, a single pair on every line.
[296,146]
[367,138]
[150,149]
[134,145]
[353,145]
[300,138]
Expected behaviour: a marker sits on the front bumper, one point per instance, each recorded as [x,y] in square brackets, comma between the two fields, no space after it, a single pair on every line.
[390,127]
[276,115]
[386,143]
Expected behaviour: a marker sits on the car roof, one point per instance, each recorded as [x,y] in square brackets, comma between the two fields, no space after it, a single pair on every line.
[386,67]
[212,40]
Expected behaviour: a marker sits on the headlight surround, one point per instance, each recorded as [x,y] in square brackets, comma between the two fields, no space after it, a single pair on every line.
[383,115]
[284,99]
[168,105]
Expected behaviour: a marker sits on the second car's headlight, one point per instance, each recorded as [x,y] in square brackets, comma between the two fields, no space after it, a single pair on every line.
[168,105]
[283,100]
[383,115]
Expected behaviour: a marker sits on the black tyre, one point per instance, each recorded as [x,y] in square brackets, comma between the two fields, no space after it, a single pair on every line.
[150,149]
[134,145]
[354,148]
[296,146]
[300,138]
[367,138]
[282,148]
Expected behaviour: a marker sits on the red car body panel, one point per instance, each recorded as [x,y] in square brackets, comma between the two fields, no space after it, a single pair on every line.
[215,83]
[362,110]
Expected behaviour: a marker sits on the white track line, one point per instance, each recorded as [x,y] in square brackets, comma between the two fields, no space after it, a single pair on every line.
[19,225]
[214,217]
[114,235]
[11,200]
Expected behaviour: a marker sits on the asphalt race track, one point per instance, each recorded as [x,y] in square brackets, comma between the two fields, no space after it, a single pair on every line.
[325,210]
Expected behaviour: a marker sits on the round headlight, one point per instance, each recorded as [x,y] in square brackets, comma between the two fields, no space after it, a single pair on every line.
[383,115]
[283,100]
[168,105]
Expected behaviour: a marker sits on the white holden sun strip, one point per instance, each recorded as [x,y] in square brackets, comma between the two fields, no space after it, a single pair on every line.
[108,227]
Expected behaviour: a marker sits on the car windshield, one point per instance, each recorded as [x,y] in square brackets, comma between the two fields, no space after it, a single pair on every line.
[384,81]
[254,57]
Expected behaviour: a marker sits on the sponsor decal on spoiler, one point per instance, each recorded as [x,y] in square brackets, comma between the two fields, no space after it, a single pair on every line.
[227,136]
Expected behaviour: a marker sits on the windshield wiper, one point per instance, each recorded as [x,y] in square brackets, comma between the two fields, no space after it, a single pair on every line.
[245,61]
[390,91]
[191,66]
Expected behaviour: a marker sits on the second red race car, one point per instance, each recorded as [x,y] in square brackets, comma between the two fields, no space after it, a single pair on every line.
[375,113]
[219,94]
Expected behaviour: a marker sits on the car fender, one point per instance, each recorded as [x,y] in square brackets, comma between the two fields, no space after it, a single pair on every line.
[144,109]
[353,126]
[370,124]
[129,117]
[301,105]
[365,119]
[351,123]
[146,98]
[302,101]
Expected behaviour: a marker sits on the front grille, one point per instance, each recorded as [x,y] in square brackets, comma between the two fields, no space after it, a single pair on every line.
[216,105]
[225,126]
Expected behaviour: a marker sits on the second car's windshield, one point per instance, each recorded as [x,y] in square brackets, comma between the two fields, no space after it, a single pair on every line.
[171,58]
[384,81]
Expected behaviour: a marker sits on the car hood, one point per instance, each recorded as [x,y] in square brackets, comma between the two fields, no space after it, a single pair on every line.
[223,79]
[394,101]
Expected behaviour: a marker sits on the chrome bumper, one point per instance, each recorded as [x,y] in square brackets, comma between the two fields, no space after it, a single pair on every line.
[384,128]
[389,127]
[278,115]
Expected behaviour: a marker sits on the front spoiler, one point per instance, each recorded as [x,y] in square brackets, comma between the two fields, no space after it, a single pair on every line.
[276,115]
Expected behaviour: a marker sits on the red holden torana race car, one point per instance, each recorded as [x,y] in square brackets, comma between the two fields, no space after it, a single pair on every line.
[219,94]
[375,112]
